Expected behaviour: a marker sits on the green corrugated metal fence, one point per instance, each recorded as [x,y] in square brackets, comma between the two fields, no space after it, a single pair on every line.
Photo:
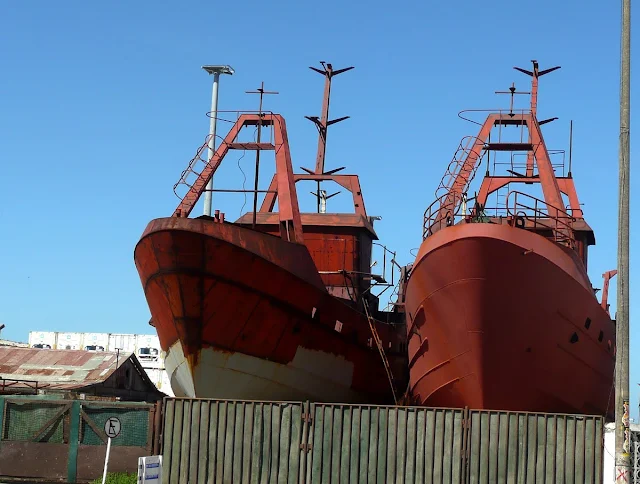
[507,447]
[214,441]
[384,444]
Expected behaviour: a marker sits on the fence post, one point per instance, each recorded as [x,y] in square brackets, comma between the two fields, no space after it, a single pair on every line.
[2,418]
[466,435]
[74,437]
[157,426]
[304,438]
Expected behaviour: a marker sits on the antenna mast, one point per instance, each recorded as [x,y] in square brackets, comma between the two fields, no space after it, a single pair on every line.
[512,91]
[262,92]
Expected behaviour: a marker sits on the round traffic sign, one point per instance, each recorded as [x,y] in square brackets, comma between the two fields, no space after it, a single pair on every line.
[112,427]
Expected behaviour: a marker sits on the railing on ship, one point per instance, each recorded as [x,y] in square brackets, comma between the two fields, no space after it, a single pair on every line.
[536,211]
[468,145]
[443,212]
[519,210]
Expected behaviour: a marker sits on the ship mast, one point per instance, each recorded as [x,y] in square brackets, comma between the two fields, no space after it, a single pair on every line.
[323,124]
[535,75]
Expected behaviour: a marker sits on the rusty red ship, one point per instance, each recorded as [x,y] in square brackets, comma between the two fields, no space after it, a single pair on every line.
[501,313]
[278,305]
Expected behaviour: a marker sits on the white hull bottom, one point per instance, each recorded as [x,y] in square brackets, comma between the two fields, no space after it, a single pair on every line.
[312,375]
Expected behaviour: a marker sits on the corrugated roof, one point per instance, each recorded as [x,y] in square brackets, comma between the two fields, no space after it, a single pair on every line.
[57,369]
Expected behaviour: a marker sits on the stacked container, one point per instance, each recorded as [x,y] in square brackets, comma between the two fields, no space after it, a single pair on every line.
[42,339]
[148,351]
[96,341]
[69,341]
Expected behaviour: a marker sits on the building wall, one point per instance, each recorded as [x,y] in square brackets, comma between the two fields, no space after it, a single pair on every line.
[145,346]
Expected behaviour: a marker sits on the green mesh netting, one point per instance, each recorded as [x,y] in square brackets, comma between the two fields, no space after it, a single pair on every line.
[134,426]
[24,420]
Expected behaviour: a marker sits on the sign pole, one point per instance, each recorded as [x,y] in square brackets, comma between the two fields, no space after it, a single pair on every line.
[112,429]
[106,461]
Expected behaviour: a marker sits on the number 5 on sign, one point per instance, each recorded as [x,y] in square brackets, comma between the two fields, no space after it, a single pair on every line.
[112,429]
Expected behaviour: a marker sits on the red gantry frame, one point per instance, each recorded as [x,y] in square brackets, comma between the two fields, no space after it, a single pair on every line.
[282,187]
[462,169]
[290,225]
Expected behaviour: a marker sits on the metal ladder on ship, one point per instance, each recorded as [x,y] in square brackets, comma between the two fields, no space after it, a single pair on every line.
[378,342]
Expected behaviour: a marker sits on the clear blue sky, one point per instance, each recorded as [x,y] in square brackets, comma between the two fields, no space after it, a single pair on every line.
[102,105]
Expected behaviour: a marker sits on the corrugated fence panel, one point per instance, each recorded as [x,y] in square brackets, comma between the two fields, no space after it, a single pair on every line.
[371,444]
[212,441]
[523,448]
[215,441]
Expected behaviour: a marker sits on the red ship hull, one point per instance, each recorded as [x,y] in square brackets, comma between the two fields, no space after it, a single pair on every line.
[245,315]
[502,318]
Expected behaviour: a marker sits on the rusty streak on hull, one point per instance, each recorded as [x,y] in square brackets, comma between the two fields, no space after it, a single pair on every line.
[236,290]
[503,318]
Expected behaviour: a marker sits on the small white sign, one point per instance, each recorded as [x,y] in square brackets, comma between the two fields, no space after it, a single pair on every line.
[150,470]
[112,427]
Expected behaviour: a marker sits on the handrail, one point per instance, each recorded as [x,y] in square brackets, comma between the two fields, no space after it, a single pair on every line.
[449,208]
[465,148]
[191,167]
[392,262]
[443,210]
[561,225]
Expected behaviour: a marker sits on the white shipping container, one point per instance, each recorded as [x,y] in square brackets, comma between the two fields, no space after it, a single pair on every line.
[95,341]
[42,339]
[69,341]
[123,342]
[147,340]
[148,350]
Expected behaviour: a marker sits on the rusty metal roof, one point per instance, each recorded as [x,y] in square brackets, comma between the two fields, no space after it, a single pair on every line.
[57,369]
